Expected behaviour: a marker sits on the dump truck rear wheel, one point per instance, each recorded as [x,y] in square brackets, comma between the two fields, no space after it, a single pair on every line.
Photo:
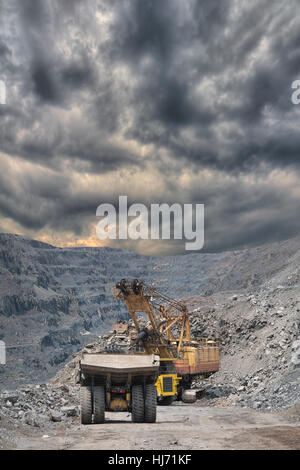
[86,404]
[166,401]
[138,407]
[99,404]
[150,403]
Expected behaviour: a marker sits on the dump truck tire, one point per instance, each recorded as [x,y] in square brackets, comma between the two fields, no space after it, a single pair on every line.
[99,404]
[86,404]
[166,401]
[150,403]
[138,406]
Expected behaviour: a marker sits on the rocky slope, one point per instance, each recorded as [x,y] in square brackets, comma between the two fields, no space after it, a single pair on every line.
[53,301]
[259,342]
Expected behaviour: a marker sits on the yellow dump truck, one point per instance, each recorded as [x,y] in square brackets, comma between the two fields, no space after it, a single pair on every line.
[118,382]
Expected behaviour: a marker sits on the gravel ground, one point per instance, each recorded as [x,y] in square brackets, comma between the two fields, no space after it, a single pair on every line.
[178,427]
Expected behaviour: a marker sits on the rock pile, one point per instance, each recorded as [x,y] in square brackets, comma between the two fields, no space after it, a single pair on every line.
[259,343]
[41,405]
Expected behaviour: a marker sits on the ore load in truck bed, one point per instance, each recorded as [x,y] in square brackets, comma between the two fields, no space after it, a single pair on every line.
[120,363]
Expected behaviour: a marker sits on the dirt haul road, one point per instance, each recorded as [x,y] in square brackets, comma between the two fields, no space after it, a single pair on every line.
[179,426]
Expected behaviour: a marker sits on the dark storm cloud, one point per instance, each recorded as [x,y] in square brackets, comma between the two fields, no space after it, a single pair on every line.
[3,49]
[51,76]
[151,90]
[160,29]
[185,51]
[147,28]
[44,83]
[155,30]
[78,75]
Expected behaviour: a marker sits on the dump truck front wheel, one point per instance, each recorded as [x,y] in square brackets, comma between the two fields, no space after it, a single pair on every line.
[99,404]
[138,407]
[150,403]
[86,404]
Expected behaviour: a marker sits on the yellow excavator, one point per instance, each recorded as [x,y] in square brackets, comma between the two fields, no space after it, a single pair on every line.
[168,335]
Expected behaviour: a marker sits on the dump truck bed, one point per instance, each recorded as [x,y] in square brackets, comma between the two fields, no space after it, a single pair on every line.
[99,364]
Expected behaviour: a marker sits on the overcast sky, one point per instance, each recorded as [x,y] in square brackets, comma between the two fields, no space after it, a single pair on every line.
[164,101]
